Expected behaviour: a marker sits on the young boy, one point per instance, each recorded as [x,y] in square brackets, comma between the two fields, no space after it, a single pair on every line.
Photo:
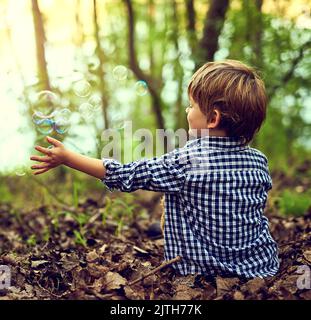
[215,186]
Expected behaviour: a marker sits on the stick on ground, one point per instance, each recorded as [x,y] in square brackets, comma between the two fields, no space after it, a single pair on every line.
[163,265]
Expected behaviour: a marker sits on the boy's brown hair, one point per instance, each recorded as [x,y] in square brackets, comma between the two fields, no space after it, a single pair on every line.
[234,89]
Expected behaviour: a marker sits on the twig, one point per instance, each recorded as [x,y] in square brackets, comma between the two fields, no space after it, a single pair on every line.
[163,265]
[287,76]
[157,101]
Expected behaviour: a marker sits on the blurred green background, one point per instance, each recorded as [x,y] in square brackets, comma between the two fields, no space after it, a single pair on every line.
[135,59]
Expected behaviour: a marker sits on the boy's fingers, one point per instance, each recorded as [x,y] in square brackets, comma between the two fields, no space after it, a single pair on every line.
[40,159]
[40,166]
[43,150]
[54,142]
[41,171]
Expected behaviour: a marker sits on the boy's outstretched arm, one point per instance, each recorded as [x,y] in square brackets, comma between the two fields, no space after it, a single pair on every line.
[59,155]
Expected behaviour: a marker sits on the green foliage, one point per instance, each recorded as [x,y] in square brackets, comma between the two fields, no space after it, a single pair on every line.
[80,239]
[82,219]
[291,203]
[32,240]
[46,234]
[55,215]
[121,211]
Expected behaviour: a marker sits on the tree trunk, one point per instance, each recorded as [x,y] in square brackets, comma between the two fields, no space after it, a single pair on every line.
[191,31]
[101,56]
[40,43]
[257,42]
[151,25]
[214,22]
[179,112]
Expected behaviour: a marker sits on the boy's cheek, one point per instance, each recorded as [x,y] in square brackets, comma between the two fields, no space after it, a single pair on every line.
[189,119]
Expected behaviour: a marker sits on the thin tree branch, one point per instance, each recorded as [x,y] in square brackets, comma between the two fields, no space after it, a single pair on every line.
[288,75]
[163,265]
[156,99]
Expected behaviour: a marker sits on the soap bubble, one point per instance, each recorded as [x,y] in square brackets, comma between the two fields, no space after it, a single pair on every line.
[37,117]
[20,171]
[62,121]
[120,73]
[61,126]
[82,88]
[46,102]
[86,110]
[45,126]
[141,88]
[96,102]
[62,115]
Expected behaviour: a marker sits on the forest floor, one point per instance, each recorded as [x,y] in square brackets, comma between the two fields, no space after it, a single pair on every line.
[48,260]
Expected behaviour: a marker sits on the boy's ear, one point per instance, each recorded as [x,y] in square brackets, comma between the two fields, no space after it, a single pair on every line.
[215,120]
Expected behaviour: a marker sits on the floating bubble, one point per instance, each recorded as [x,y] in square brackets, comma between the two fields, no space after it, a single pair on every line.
[46,102]
[20,171]
[61,127]
[62,120]
[141,88]
[82,88]
[86,111]
[120,73]
[62,115]
[96,102]
[37,117]
[45,126]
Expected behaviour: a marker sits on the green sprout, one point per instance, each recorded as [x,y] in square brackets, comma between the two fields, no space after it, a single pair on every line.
[32,240]
[80,239]
[121,211]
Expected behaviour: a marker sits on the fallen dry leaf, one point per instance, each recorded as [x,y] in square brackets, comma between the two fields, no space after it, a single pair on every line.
[114,280]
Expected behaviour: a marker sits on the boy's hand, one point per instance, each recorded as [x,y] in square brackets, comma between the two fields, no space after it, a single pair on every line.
[52,157]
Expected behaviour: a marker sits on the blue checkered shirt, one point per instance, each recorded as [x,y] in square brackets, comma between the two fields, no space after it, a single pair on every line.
[215,194]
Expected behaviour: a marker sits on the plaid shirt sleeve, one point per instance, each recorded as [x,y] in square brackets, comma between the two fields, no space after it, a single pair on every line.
[163,174]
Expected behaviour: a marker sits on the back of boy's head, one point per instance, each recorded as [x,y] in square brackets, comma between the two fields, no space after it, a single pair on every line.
[236,91]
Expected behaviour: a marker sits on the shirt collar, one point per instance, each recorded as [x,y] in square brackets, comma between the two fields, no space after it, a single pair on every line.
[232,143]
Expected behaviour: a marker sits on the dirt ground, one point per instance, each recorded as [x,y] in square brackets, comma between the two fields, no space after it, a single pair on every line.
[48,261]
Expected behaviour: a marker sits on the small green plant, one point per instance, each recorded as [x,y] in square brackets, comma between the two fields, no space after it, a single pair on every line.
[121,211]
[46,234]
[55,215]
[107,210]
[80,239]
[293,203]
[32,240]
[81,219]
[75,194]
